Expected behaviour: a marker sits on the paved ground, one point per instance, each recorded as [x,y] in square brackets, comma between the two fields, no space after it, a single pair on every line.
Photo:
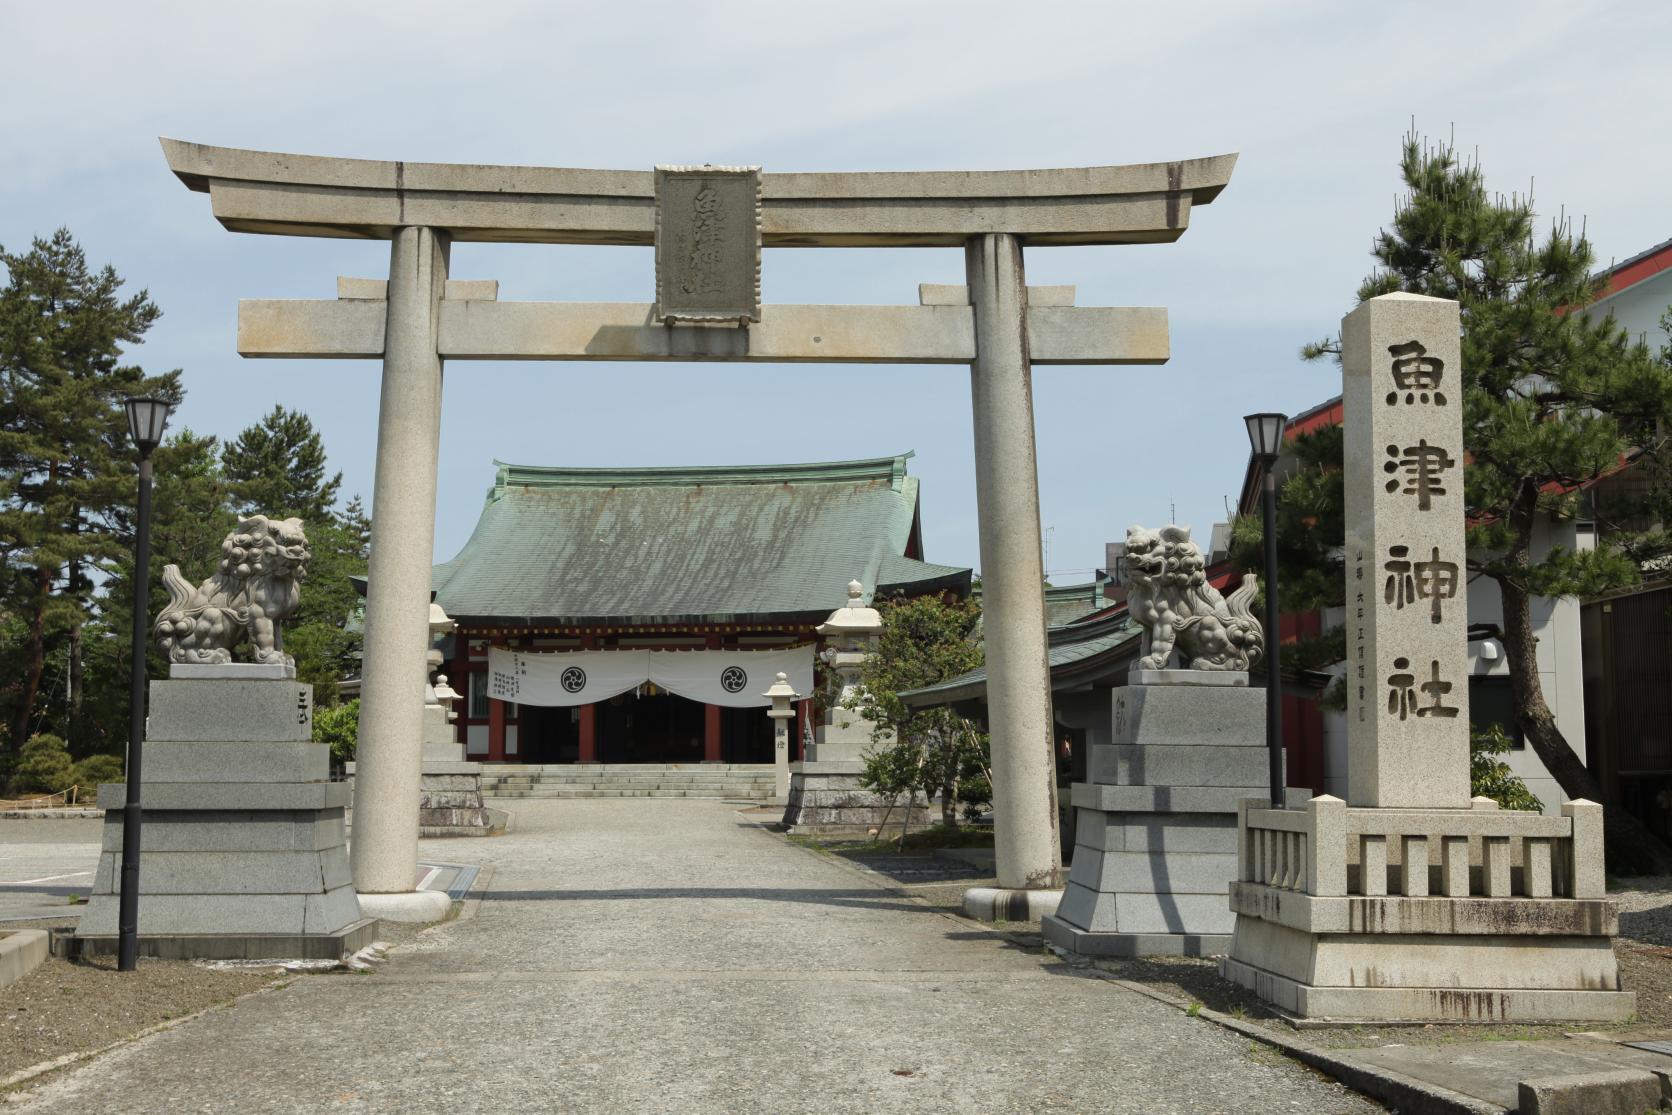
[44,864]
[661,955]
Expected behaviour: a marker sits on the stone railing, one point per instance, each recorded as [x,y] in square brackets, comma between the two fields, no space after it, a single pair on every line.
[1329,850]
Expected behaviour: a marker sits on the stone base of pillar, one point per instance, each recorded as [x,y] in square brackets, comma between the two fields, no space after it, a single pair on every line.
[450,800]
[1155,827]
[244,839]
[236,946]
[413,906]
[826,797]
[1424,915]
[1008,904]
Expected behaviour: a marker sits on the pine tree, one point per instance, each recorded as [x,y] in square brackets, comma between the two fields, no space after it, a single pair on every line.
[66,468]
[277,468]
[1553,400]
[190,517]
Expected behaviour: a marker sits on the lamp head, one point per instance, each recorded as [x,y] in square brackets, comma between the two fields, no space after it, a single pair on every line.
[1265,434]
[147,417]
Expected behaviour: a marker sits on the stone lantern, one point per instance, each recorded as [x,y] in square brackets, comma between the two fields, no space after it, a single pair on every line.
[782,697]
[826,793]
[441,624]
[446,696]
[850,637]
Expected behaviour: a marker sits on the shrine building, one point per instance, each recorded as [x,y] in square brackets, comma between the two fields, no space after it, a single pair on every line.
[638,615]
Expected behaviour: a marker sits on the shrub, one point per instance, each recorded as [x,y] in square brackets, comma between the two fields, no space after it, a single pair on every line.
[43,767]
[338,726]
[1490,776]
[93,770]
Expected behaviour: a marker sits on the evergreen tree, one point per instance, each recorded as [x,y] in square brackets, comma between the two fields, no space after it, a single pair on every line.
[66,468]
[933,750]
[277,468]
[1553,400]
[190,517]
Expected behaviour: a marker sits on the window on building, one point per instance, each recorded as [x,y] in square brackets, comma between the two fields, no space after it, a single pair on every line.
[1490,702]
[479,698]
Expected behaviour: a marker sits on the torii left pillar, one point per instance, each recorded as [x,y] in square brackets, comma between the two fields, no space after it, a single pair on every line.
[383,846]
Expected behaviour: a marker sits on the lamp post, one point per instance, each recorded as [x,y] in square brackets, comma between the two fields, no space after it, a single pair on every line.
[146,419]
[782,696]
[1265,436]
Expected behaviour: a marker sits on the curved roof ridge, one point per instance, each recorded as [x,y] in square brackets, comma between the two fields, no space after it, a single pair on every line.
[891,469]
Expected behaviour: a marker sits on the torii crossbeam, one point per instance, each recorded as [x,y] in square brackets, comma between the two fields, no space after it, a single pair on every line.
[419,318]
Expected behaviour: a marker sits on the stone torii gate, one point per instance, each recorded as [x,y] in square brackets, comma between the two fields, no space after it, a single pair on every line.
[708,225]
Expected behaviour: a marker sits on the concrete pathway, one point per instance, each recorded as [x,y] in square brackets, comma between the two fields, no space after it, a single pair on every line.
[44,864]
[665,955]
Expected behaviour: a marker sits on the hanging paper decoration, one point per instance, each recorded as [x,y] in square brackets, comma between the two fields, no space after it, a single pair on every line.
[731,678]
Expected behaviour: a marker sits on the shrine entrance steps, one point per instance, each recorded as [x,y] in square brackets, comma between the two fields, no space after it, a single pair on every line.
[749,781]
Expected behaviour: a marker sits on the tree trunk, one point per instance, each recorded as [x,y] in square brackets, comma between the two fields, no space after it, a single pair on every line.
[1631,848]
[905,818]
[949,783]
[34,662]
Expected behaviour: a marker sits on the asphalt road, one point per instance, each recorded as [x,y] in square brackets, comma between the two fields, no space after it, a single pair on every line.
[665,955]
[43,866]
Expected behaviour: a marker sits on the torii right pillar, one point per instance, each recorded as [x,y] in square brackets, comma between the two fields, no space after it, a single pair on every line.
[1411,901]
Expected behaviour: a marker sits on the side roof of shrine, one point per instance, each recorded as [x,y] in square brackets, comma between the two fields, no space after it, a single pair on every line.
[561,546]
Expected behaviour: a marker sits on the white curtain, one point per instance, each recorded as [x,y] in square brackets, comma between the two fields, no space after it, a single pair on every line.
[733,678]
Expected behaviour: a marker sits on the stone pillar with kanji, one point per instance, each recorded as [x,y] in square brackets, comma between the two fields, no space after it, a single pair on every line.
[1407,627]
[1412,901]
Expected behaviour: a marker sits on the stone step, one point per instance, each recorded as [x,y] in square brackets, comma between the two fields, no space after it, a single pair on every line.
[643,781]
[750,794]
[648,781]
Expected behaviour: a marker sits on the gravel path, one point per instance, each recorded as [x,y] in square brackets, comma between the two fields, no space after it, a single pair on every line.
[664,955]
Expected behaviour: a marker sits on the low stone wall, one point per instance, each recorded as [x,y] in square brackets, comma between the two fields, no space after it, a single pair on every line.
[826,797]
[20,951]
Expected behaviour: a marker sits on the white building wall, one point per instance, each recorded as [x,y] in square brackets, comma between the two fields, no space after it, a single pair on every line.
[1560,665]
[1638,308]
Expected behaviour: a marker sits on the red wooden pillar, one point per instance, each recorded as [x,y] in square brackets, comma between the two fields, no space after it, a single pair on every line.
[711,734]
[711,718]
[496,730]
[803,717]
[589,734]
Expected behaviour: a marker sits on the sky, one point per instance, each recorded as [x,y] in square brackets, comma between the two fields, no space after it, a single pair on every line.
[1568,100]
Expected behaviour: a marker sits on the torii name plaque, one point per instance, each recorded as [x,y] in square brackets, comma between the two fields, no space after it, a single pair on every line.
[708,245]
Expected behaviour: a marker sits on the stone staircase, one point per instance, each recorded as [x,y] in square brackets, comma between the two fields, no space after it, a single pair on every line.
[743,781]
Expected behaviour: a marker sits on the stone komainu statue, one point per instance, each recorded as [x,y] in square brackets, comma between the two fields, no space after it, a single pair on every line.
[1169,596]
[255,589]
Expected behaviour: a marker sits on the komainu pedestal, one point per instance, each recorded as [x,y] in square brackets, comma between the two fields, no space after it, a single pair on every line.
[1155,827]
[244,852]
[1479,915]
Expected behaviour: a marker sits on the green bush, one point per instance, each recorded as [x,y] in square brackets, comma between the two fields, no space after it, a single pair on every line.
[43,767]
[93,770]
[338,726]
[1490,776]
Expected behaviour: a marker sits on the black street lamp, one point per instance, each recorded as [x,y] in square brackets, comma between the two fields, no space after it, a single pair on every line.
[1265,436]
[146,419]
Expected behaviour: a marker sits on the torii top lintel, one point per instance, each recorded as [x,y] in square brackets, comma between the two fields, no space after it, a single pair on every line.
[311,195]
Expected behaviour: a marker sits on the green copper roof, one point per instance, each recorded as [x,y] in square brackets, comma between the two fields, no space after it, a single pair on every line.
[667,545]
[1091,651]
